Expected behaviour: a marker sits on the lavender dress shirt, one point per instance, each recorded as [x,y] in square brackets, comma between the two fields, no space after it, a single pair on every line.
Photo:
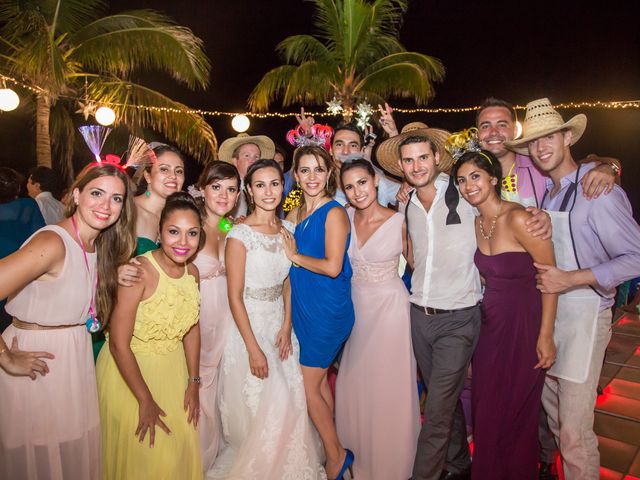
[606,237]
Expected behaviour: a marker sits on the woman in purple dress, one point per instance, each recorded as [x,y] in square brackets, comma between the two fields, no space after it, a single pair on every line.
[516,336]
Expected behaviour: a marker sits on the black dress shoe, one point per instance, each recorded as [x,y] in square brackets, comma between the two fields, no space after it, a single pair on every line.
[464,475]
[547,471]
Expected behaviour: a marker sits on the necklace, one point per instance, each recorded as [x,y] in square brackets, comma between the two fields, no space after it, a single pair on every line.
[493,225]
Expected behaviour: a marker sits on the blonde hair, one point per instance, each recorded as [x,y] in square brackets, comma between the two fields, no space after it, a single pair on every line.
[115,244]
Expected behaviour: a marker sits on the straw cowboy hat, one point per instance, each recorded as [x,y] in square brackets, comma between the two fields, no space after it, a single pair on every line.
[388,154]
[264,143]
[541,119]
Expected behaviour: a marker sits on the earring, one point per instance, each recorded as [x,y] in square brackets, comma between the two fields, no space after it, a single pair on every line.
[147,193]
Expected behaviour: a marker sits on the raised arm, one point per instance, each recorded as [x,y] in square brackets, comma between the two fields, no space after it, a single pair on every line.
[235,255]
[120,334]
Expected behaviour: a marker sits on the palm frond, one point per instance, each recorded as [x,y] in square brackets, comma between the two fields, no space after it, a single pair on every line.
[298,49]
[272,85]
[142,39]
[174,120]
[41,61]
[431,65]
[68,15]
[311,82]
[386,16]
[404,79]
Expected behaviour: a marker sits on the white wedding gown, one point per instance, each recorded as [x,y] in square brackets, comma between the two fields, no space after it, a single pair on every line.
[267,433]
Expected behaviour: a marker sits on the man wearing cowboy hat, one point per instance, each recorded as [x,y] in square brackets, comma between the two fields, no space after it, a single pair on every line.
[243,151]
[597,247]
[522,181]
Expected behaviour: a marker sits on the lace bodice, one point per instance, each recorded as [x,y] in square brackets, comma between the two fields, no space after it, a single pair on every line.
[266,265]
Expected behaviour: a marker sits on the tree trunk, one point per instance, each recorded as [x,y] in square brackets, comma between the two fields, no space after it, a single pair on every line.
[43,140]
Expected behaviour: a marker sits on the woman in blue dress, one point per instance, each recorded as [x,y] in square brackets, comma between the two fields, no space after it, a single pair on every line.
[322,311]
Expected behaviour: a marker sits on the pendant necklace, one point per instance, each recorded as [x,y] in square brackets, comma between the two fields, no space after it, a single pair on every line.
[493,225]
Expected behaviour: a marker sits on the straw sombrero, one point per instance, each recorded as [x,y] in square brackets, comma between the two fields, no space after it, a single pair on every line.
[541,119]
[388,155]
[264,143]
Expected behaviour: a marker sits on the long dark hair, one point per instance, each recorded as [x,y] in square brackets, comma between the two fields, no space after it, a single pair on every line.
[484,160]
[182,201]
[259,165]
[115,244]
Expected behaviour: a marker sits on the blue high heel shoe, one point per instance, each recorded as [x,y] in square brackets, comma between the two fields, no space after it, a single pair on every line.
[348,461]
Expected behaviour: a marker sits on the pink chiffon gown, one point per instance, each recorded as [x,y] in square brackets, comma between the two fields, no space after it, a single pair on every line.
[377,410]
[215,320]
[50,427]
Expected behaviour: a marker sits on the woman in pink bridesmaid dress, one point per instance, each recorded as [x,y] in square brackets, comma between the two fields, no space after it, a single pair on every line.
[377,411]
[62,275]
[219,186]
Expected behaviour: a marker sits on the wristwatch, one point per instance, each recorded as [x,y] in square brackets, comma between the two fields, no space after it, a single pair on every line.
[616,169]
[194,380]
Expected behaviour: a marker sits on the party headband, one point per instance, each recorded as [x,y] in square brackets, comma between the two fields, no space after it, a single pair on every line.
[465,141]
[320,136]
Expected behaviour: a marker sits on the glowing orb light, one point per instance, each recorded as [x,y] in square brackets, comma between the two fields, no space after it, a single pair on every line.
[240,123]
[9,99]
[105,116]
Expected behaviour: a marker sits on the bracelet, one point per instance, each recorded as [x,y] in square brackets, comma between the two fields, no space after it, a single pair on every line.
[194,380]
[615,168]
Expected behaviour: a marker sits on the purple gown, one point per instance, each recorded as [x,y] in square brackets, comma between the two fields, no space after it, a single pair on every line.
[505,387]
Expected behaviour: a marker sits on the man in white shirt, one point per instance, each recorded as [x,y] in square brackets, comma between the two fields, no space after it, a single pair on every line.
[42,181]
[446,291]
[243,151]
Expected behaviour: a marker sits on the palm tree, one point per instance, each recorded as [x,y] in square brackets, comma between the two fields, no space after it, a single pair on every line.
[355,56]
[68,51]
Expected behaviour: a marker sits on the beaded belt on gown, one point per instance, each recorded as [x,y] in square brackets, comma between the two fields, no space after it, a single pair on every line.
[374,271]
[268,294]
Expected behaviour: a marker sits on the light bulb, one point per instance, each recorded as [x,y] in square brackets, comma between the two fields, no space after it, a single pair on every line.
[240,123]
[9,99]
[105,116]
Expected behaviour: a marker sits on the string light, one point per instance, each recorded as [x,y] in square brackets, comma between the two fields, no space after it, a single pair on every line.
[623,104]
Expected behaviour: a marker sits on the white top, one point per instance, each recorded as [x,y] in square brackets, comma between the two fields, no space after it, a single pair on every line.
[444,275]
[52,210]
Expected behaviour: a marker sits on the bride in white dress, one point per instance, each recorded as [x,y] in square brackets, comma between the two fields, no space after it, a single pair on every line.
[266,430]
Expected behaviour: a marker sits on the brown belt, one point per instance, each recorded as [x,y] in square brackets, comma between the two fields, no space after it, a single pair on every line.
[36,326]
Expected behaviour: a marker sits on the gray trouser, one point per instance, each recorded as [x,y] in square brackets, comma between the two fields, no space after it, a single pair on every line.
[443,345]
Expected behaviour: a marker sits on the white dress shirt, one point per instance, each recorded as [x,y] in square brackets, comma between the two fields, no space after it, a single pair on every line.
[52,210]
[444,275]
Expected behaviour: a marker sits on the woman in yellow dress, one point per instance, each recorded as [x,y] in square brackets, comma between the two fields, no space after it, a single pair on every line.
[148,377]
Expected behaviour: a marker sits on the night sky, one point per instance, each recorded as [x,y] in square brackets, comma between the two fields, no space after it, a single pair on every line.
[518,51]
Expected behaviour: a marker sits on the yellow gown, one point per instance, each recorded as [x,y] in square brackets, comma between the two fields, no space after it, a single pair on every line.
[161,322]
